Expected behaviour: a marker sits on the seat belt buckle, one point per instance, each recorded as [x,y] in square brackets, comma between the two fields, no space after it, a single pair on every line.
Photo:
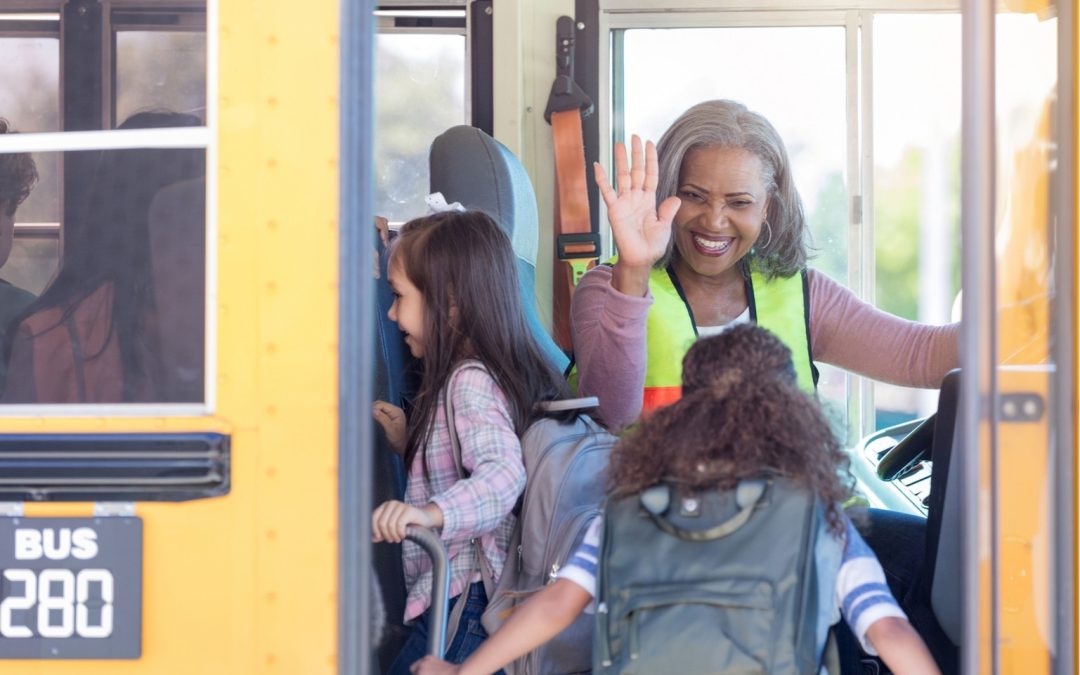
[580,251]
[577,245]
[578,268]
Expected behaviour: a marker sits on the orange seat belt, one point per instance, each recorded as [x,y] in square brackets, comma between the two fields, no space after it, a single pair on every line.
[577,243]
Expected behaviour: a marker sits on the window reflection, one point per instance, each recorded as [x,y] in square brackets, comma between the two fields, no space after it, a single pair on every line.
[160,70]
[419,93]
[30,102]
[30,72]
[102,272]
[35,255]
[18,176]
[123,321]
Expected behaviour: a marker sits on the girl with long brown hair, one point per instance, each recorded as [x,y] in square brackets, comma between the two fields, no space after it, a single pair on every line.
[741,415]
[456,300]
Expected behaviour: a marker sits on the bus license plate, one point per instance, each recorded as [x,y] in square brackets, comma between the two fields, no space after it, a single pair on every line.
[70,588]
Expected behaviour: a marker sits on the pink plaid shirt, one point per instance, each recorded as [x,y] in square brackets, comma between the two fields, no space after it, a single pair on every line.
[478,506]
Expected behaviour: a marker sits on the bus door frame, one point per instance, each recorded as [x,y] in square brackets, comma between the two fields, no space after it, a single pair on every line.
[356,307]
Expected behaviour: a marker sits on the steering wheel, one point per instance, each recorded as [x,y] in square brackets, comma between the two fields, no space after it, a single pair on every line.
[911,450]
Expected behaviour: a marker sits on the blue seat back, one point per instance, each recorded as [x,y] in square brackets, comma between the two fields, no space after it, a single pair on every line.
[391,382]
[472,168]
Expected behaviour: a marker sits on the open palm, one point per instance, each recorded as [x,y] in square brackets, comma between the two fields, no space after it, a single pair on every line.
[641,229]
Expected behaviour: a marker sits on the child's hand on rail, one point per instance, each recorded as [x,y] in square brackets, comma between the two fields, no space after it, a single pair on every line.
[390,520]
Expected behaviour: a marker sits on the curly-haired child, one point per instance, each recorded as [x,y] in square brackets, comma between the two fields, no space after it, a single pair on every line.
[742,413]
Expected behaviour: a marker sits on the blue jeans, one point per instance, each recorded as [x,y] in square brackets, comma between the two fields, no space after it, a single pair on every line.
[898,541]
[469,635]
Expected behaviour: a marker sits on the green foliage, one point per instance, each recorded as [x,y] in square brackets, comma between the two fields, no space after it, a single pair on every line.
[896,236]
[896,230]
[897,210]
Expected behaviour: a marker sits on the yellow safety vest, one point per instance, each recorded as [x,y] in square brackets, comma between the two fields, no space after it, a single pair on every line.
[780,304]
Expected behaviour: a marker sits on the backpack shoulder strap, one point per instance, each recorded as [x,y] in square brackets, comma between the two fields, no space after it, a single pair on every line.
[448,407]
[486,574]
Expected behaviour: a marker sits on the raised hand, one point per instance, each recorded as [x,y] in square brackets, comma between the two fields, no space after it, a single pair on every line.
[641,229]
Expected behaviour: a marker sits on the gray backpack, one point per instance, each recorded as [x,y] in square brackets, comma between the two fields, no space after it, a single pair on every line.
[717,582]
[565,467]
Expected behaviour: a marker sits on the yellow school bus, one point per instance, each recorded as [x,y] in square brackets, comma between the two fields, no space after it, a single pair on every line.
[206,175]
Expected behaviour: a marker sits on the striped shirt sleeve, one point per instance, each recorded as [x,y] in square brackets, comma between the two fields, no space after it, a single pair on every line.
[861,591]
[582,566]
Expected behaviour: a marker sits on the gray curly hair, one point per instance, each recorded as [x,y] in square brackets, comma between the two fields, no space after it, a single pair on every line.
[729,124]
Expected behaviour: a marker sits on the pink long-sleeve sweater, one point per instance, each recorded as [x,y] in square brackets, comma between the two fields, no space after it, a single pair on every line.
[610,350]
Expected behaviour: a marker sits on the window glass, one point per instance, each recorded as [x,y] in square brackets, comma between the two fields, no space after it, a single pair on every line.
[30,71]
[160,70]
[30,102]
[35,255]
[419,93]
[665,71]
[916,182]
[102,266]
[917,162]
[123,319]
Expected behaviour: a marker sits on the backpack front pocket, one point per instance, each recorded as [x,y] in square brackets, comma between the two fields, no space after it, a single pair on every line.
[723,626]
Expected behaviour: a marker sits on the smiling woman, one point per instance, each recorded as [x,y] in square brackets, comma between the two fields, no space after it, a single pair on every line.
[711,232]
[726,244]
[724,202]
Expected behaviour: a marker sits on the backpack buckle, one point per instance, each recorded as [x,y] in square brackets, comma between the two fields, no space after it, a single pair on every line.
[691,507]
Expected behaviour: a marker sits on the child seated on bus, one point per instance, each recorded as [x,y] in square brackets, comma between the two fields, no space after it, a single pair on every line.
[742,412]
[18,175]
[455,286]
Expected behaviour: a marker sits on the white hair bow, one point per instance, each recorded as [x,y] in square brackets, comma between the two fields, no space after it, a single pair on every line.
[437,203]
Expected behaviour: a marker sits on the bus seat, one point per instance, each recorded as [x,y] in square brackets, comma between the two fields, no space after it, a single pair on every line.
[472,168]
[176,224]
[392,381]
[943,526]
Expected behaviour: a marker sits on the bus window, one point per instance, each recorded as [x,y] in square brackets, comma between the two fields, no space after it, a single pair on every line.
[107,279]
[916,183]
[122,320]
[30,102]
[876,164]
[160,69]
[30,71]
[916,162]
[420,91]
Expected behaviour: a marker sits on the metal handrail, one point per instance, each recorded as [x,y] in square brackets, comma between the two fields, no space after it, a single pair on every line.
[440,586]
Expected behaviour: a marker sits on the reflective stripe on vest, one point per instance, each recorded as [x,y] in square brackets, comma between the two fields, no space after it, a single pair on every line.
[780,304]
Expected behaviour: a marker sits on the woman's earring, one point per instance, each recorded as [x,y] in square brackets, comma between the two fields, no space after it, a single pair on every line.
[768,228]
